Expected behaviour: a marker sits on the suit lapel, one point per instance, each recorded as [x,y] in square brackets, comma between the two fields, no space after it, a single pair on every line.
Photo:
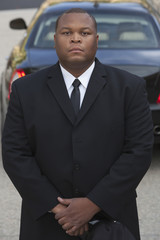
[57,86]
[97,82]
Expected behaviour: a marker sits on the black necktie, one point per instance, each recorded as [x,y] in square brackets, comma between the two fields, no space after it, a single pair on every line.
[75,96]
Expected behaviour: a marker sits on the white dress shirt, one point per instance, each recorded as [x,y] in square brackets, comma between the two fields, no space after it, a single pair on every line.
[84,79]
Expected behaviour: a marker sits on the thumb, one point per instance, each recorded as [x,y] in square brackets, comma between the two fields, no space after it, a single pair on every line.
[64,201]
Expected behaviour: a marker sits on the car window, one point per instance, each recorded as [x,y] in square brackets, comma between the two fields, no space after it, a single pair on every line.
[45,33]
[115,31]
[126,31]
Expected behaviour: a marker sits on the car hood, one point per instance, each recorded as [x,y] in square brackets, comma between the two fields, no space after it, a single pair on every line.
[139,62]
[40,58]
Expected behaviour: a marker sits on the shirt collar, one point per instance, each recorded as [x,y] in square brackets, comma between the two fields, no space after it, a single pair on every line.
[84,78]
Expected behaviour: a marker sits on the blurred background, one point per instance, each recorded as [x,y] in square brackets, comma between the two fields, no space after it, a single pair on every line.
[10,202]
[19,4]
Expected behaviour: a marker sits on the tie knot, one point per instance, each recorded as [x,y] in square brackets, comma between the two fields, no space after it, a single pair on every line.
[76,83]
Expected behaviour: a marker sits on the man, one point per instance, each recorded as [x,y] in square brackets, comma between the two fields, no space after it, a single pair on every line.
[79,164]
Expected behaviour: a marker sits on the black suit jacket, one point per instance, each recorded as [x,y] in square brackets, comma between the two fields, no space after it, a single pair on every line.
[103,154]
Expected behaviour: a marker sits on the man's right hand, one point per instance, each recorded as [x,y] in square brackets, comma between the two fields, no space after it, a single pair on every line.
[60,207]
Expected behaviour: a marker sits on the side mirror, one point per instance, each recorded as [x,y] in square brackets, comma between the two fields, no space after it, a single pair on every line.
[18,23]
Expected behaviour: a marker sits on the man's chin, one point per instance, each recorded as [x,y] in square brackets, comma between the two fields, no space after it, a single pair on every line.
[76,60]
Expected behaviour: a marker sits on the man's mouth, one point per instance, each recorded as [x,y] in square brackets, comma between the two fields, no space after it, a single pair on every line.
[76,50]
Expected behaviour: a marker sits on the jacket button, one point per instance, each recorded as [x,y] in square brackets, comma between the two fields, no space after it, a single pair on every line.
[76,166]
[76,191]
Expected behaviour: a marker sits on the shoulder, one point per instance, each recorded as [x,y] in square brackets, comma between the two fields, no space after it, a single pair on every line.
[36,79]
[122,78]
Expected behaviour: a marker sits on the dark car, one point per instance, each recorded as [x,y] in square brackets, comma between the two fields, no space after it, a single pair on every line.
[129,38]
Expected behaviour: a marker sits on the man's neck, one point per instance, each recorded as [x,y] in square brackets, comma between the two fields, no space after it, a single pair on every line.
[76,70]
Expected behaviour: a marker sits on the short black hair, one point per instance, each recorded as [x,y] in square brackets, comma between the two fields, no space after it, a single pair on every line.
[76,10]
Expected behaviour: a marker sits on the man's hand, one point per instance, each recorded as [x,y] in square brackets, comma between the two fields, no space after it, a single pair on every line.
[78,232]
[58,208]
[76,215]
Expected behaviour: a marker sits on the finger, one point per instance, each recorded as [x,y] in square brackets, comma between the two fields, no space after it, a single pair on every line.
[72,230]
[82,230]
[64,201]
[67,226]
[86,227]
[59,215]
[62,221]
[76,233]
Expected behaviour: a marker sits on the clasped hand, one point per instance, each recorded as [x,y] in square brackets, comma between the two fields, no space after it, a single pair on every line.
[74,214]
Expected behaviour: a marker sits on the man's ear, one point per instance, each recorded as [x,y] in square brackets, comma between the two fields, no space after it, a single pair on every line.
[54,40]
[97,37]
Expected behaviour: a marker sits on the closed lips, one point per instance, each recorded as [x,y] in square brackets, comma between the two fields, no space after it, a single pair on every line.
[76,49]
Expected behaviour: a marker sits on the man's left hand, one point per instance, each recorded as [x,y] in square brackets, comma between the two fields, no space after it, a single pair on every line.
[79,211]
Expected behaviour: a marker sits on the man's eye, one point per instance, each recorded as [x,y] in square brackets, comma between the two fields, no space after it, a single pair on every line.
[84,33]
[66,33]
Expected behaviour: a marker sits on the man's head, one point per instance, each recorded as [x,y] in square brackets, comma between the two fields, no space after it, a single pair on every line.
[76,10]
[76,39]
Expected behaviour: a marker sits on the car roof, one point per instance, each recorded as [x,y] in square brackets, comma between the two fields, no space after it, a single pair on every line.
[142,6]
[123,6]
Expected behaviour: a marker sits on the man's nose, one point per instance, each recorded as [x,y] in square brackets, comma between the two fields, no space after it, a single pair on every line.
[76,37]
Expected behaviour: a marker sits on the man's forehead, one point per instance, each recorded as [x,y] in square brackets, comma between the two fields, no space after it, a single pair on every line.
[82,17]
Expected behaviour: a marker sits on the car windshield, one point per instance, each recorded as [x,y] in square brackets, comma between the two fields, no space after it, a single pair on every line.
[115,31]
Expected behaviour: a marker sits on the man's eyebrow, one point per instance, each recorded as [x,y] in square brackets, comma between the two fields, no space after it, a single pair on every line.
[86,28]
[65,28]
[82,28]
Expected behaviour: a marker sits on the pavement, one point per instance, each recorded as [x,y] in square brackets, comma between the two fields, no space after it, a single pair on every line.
[10,201]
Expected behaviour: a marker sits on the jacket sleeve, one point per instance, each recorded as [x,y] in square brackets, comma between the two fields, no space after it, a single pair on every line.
[38,193]
[117,188]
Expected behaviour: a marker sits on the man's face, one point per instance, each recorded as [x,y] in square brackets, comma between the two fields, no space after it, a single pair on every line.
[76,40]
